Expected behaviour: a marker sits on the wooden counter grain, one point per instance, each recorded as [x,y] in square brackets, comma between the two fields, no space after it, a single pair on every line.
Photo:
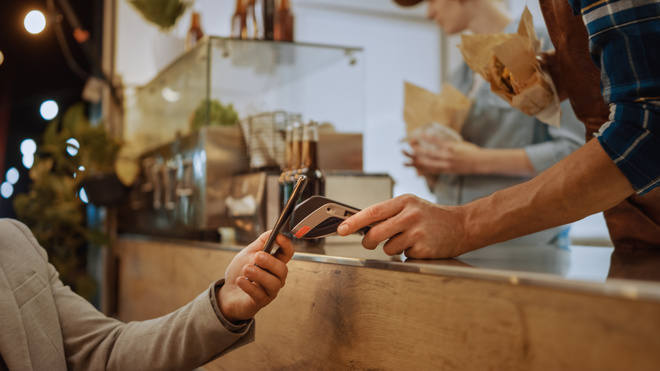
[333,316]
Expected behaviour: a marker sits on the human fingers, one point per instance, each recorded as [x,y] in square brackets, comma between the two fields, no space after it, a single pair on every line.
[411,159]
[396,244]
[424,251]
[431,153]
[372,214]
[547,59]
[381,232]
[418,159]
[256,293]
[412,162]
[259,243]
[272,265]
[286,250]
[408,154]
[431,166]
[438,141]
[413,141]
[550,63]
[270,283]
[412,224]
[245,256]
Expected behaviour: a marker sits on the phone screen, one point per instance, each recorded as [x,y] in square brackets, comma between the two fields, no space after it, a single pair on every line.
[286,212]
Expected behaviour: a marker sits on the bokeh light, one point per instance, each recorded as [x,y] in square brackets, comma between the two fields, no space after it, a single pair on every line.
[35,22]
[28,161]
[80,169]
[6,190]
[83,195]
[49,109]
[12,175]
[2,57]
[72,147]
[28,147]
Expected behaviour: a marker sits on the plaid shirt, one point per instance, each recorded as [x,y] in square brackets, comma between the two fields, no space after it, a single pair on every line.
[624,41]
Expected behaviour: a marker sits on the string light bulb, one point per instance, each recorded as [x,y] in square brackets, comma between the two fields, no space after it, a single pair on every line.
[35,22]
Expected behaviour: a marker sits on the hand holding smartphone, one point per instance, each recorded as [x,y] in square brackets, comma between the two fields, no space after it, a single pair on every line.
[286,213]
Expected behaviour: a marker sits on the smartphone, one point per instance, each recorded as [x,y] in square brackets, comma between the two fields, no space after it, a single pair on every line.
[286,213]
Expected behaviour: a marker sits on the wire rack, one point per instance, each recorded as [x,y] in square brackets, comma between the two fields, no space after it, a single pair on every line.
[264,139]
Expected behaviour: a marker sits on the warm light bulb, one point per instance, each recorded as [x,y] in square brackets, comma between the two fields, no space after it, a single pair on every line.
[35,22]
[2,58]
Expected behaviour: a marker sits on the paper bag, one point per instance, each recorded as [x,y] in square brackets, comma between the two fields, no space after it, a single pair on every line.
[508,62]
[422,108]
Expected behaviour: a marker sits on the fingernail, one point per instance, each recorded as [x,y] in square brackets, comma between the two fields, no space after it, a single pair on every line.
[342,229]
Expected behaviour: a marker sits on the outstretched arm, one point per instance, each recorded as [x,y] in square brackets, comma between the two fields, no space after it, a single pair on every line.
[181,340]
[583,183]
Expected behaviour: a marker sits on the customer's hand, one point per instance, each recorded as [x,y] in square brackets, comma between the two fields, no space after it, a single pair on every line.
[437,156]
[416,227]
[248,288]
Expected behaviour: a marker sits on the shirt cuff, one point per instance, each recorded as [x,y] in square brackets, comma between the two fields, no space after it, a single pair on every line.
[231,326]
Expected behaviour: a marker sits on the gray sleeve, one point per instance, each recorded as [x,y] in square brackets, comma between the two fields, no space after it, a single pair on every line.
[561,141]
[63,327]
[233,327]
[182,340]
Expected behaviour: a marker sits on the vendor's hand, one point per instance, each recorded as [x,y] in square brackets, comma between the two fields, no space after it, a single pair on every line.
[420,229]
[248,288]
[445,157]
[550,63]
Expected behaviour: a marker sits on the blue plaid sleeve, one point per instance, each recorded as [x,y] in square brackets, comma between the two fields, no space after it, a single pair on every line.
[624,41]
[631,139]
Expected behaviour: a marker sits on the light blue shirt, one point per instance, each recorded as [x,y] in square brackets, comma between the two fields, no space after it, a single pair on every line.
[493,123]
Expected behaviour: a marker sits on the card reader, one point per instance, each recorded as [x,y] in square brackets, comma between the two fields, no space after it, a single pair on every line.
[319,217]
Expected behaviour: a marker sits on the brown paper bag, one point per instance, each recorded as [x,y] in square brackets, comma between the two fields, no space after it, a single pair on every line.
[508,63]
[422,107]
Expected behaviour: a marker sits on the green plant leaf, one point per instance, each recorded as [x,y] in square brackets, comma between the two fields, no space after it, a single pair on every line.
[75,119]
[162,13]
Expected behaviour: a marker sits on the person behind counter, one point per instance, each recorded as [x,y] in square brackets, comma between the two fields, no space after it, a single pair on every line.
[46,326]
[502,146]
[623,159]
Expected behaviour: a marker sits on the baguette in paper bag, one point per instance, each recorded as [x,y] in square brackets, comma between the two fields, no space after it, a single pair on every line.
[508,62]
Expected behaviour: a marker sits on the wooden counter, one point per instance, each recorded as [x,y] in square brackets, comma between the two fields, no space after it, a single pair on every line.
[373,312]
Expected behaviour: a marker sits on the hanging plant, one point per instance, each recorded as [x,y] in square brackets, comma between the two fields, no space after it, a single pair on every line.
[162,13]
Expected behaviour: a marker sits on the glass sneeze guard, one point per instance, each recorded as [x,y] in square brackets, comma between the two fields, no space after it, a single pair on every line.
[322,82]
